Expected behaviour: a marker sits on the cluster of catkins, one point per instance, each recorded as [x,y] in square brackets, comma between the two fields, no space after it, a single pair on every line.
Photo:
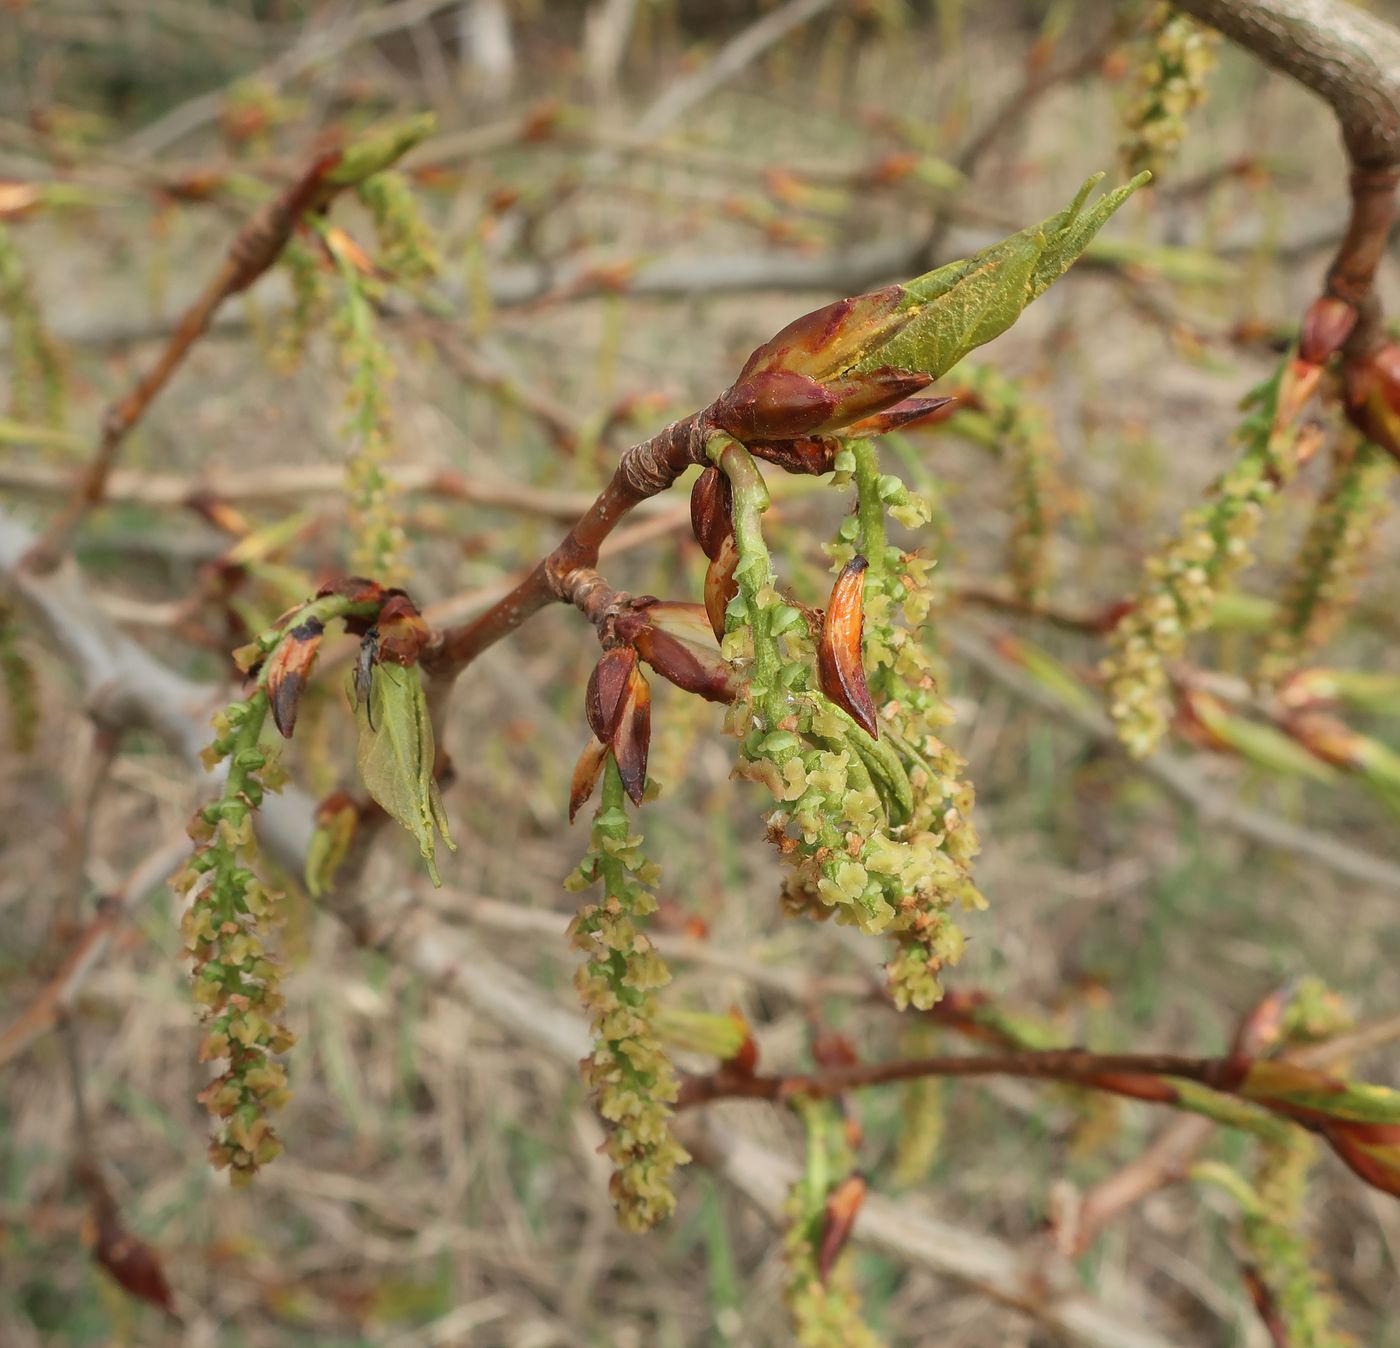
[1177,55]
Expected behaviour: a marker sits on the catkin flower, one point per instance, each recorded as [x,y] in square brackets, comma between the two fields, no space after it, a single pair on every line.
[1327,572]
[1176,57]
[1213,542]
[876,831]
[405,241]
[310,299]
[632,1081]
[235,979]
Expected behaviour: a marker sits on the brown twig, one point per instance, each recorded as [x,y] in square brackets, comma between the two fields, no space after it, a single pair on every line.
[251,253]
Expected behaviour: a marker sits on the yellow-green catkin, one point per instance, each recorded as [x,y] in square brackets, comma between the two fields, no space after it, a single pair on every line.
[876,832]
[1176,598]
[1175,57]
[38,375]
[922,1111]
[235,980]
[1327,572]
[306,274]
[1019,433]
[376,536]
[632,1081]
[825,1313]
[408,250]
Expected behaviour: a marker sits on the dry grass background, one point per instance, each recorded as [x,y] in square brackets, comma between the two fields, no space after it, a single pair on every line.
[441,1184]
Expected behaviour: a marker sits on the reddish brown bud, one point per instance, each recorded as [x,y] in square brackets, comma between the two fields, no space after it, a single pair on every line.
[132,1263]
[711,506]
[402,631]
[831,339]
[834,1051]
[586,773]
[631,740]
[865,394]
[773,405]
[675,641]
[1262,1028]
[1326,326]
[607,690]
[840,663]
[811,455]
[843,1204]
[906,415]
[288,669]
[720,585]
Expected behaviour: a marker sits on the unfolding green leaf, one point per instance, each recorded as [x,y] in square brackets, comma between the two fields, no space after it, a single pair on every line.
[396,757]
[964,304]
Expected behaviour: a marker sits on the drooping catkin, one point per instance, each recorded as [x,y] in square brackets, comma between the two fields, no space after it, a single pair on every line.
[38,372]
[1174,59]
[631,1079]
[1327,571]
[1212,543]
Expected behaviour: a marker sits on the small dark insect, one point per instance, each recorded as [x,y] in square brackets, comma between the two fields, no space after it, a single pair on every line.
[364,673]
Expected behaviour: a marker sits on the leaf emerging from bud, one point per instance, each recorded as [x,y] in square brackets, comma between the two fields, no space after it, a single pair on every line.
[288,670]
[840,663]
[711,501]
[631,740]
[607,690]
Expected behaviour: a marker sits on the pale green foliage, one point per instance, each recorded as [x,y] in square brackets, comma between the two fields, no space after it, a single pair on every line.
[1177,596]
[960,306]
[395,758]
[632,1080]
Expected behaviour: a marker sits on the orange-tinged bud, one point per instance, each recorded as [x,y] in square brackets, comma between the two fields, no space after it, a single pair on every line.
[288,670]
[631,739]
[829,340]
[1326,326]
[840,662]
[843,1204]
[720,585]
[608,689]
[586,773]
[1262,1028]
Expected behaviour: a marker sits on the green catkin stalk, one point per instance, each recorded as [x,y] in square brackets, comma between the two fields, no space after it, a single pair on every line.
[632,1080]
[922,1112]
[1177,55]
[38,388]
[310,302]
[1332,557]
[1176,599]
[825,1314]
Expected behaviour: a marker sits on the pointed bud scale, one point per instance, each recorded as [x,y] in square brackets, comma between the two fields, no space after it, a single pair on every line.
[720,585]
[862,395]
[843,1204]
[840,663]
[711,504]
[288,669]
[586,773]
[693,669]
[1262,1028]
[1326,326]
[809,455]
[607,690]
[131,1263]
[906,415]
[631,740]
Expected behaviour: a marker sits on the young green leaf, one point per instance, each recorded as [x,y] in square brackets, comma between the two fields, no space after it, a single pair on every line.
[396,758]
